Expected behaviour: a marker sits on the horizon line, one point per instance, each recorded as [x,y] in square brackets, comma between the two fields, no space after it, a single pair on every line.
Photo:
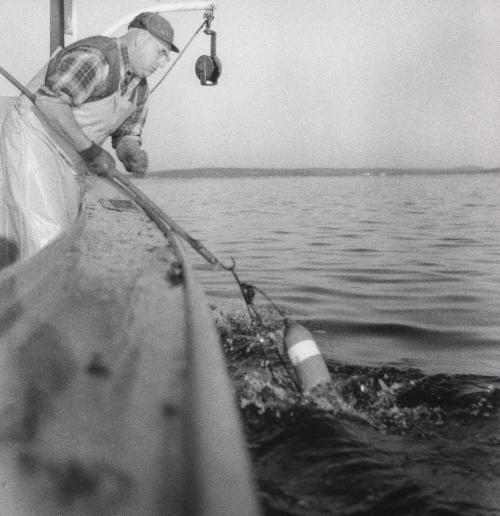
[465,168]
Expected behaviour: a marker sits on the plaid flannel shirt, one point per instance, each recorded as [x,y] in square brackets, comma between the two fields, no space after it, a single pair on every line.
[83,71]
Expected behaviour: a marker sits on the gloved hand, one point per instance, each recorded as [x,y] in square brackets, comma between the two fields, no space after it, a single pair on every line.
[134,159]
[98,161]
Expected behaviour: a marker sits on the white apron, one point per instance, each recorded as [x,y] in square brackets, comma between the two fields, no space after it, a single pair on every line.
[40,194]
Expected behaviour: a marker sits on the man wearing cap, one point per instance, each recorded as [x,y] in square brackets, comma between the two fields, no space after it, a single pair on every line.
[93,89]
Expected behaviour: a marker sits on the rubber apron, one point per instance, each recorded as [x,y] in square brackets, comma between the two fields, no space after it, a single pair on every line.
[40,193]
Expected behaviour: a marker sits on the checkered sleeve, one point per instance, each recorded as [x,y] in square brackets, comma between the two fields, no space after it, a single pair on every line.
[77,76]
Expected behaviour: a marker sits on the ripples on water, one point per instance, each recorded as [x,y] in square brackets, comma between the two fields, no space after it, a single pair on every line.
[391,274]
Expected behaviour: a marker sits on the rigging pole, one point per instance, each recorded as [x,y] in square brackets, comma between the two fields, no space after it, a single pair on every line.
[56,25]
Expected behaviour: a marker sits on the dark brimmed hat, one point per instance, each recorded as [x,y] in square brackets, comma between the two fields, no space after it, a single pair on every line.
[157,26]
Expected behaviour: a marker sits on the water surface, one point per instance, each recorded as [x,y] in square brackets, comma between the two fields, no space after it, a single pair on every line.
[387,269]
[398,278]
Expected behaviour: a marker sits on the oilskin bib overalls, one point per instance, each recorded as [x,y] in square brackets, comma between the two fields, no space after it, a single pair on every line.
[39,190]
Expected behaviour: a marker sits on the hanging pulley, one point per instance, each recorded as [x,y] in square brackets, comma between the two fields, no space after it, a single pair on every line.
[209,68]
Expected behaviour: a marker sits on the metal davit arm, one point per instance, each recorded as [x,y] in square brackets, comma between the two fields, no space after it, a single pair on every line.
[161,8]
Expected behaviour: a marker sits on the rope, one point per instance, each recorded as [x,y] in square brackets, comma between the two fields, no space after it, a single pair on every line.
[178,57]
[247,290]
[248,294]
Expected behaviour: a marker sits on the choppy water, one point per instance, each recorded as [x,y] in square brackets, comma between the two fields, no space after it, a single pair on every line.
[398,278]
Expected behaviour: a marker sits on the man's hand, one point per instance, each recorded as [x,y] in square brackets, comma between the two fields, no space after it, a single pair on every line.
[134,159]
[98,161]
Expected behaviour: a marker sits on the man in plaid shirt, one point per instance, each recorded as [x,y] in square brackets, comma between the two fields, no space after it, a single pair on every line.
[82,71]
[87,73]
[94,89]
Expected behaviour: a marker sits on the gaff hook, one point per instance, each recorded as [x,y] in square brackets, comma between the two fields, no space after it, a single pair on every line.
[209,68]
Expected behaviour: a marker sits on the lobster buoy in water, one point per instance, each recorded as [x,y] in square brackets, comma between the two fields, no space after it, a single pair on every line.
[305,356]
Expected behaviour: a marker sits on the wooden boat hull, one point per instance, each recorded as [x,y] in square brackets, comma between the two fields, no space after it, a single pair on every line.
[113,393]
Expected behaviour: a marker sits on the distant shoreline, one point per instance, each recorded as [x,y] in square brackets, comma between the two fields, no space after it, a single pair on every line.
[318,172]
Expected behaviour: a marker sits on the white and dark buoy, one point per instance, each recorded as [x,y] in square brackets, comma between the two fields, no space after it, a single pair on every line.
[305,356]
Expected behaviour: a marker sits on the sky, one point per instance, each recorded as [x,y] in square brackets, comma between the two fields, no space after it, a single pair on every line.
[323,83]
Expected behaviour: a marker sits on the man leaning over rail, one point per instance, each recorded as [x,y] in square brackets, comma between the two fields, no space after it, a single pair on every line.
[93,89]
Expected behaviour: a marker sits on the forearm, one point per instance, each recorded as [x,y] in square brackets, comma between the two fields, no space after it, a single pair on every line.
[61,119]
[132,127]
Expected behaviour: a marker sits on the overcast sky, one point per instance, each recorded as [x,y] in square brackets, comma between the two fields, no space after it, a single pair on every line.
[322,83]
